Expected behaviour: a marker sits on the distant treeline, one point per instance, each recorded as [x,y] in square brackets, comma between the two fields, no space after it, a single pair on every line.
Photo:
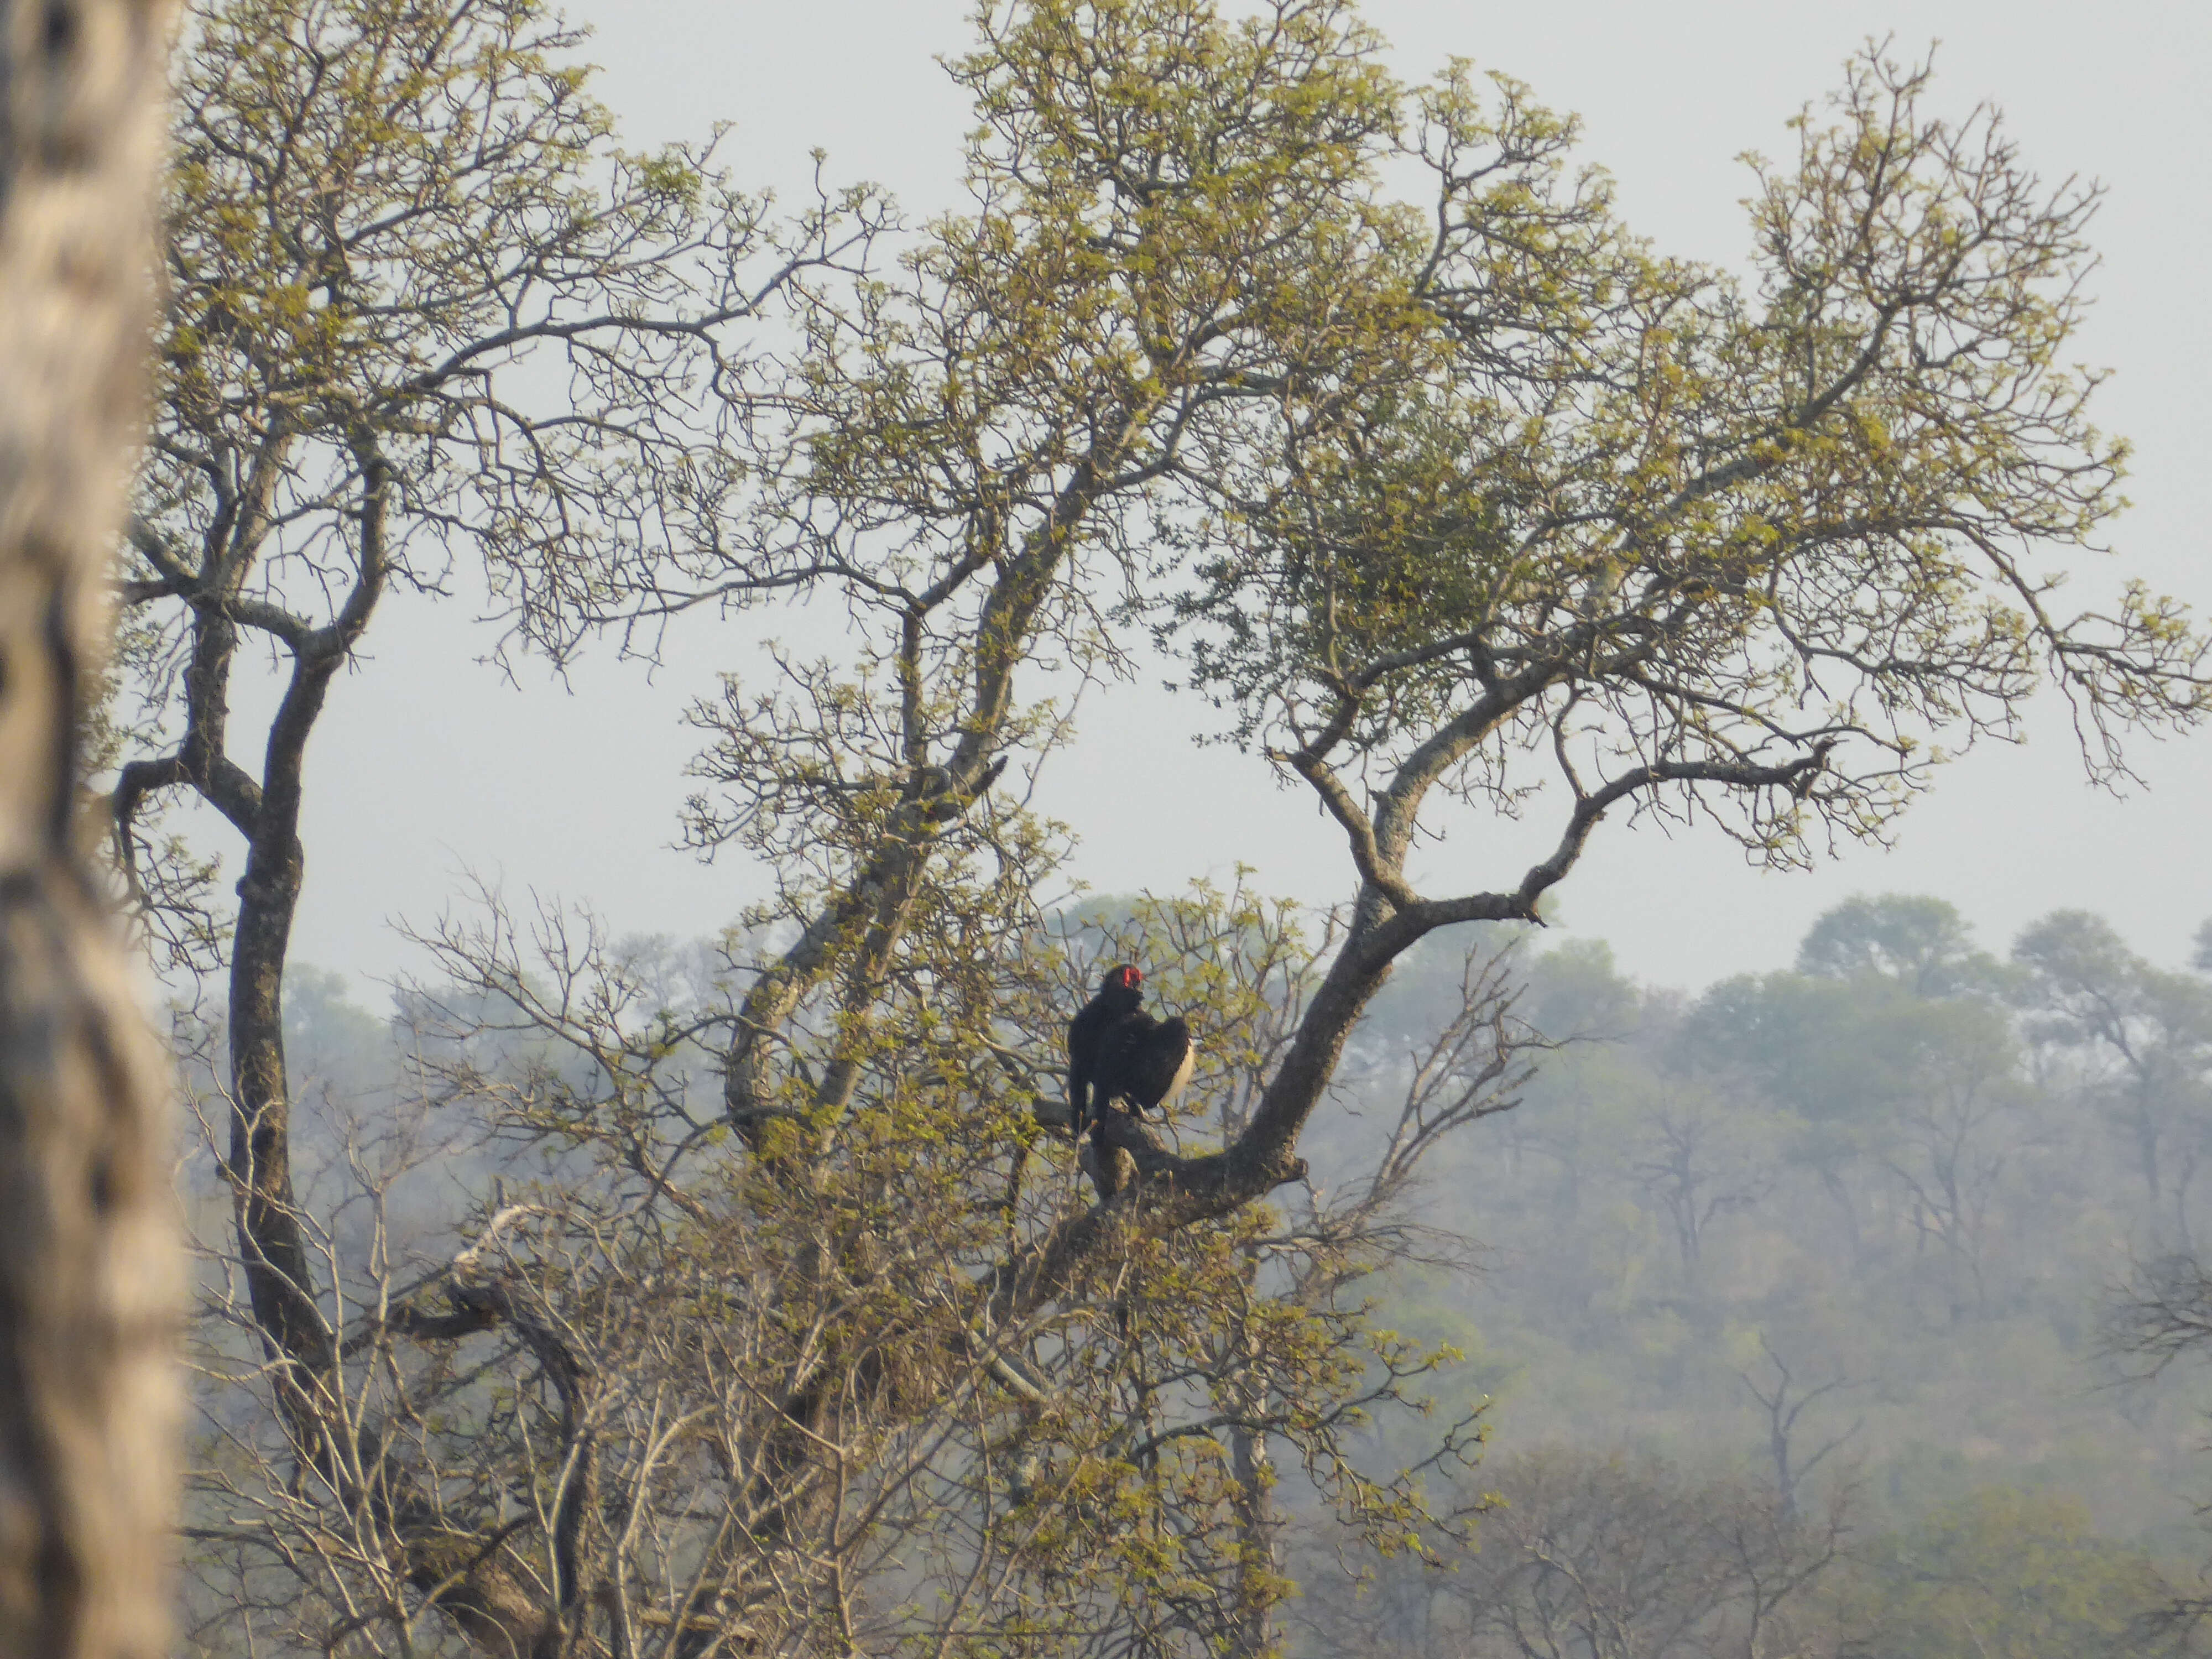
[1860,1231]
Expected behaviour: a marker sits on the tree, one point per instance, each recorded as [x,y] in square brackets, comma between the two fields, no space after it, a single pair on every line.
[1775,1397]
[1891,1054]
[1680,581]
[2005,1574]
[2146,1034]
[1922,943]
[87,1263]
[1700,1162]
[1955,1135]
[656,1318]
[2161,1317]
[1425,498]
[421,308]
[1615,1558]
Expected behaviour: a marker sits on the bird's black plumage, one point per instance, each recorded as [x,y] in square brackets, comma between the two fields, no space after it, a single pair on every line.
[1091,1033]
[1116,1051]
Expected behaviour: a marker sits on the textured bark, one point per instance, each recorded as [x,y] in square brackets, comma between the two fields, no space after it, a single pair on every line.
[89,1272]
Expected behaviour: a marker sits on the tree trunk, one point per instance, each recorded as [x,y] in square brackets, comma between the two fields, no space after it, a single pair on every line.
[1259,1564]
[89,1269]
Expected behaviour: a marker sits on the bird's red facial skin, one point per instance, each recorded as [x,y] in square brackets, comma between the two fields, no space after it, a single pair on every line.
[1125,979]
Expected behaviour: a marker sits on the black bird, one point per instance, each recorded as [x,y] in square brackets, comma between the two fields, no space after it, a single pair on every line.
[1116,1051]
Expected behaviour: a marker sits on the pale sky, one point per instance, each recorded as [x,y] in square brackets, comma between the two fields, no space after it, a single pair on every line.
[427,763]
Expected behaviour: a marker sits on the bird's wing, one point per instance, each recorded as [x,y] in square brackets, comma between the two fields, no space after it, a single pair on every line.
[1162,1065]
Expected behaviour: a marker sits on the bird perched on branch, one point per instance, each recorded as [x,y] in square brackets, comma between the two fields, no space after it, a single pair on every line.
[1116,1051]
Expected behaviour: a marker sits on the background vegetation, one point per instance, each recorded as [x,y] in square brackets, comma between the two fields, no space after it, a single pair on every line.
[1807,1288]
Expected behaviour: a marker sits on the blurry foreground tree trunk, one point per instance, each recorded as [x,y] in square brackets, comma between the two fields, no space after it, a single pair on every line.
[88,1269]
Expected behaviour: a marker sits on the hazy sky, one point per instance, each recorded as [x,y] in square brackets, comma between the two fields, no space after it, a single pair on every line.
[427,763]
